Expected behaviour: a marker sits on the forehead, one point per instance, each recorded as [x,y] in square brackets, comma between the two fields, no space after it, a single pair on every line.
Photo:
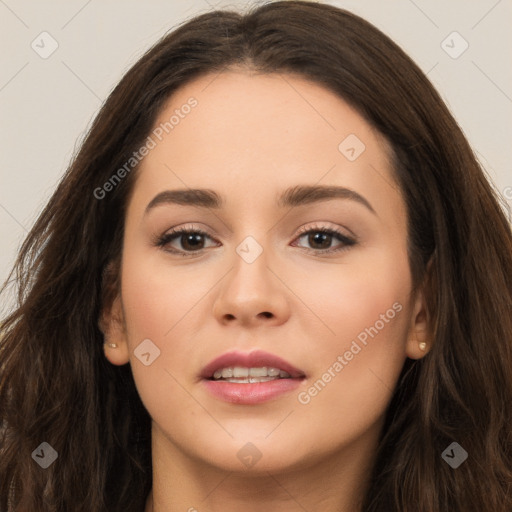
[254,134]
[267,112]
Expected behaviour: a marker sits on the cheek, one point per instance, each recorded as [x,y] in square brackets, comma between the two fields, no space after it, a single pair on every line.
[159,297]
[160,305]
[365,312]
[367,291]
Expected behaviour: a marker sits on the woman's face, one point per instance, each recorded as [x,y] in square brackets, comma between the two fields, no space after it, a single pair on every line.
[278,160]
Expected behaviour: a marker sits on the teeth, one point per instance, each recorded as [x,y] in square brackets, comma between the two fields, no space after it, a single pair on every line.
[251,380]
[242,374]
[227,373]
[258,372]
[240,371]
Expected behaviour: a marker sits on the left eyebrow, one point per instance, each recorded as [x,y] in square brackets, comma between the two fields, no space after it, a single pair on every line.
[307,194]
[292,197]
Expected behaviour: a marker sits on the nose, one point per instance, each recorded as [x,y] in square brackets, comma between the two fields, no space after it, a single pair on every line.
[252,294]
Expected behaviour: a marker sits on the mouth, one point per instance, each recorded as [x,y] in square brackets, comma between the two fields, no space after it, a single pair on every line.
[244,375]
[250,378]
[244,366]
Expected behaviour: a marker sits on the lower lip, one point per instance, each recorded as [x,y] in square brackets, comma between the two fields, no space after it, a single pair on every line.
[251,393]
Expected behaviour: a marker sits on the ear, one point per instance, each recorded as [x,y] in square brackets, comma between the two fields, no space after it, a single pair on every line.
[418,344]
[113,326]
[111,322]
[420,340]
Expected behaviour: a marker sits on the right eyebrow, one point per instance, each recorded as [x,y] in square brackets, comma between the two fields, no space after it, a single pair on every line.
[188,197]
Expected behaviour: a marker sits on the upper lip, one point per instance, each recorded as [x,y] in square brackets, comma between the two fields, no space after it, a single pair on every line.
[254,359]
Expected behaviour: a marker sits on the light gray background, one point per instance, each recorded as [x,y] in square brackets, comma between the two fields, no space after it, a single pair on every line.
[46,105]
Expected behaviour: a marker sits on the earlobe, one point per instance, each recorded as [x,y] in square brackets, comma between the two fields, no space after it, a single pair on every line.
[116,354]
[417,350]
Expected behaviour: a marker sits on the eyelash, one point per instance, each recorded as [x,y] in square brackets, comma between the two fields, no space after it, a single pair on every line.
[166,238]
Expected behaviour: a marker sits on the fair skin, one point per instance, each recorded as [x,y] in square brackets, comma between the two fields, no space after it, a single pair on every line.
[249,138]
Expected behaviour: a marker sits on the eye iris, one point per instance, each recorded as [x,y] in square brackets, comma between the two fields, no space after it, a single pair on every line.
[318,237]
[191,240]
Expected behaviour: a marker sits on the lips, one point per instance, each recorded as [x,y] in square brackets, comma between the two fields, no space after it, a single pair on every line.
[251,391]
[255,359]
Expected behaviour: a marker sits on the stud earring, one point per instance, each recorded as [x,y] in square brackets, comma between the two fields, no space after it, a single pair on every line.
[423,346]
[111,345]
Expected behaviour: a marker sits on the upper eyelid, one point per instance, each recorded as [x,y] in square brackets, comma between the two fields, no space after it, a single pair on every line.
[325,227]
[301,230]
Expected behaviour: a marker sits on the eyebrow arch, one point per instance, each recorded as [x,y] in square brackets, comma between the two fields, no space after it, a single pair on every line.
[292,197]
[307,194]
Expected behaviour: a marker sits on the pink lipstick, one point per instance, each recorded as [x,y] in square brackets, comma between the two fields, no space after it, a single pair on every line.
[250,378]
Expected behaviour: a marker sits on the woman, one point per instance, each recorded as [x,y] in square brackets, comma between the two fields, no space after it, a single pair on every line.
[274,276]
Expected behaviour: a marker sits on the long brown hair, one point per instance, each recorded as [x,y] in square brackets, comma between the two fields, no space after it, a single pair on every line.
[56,385]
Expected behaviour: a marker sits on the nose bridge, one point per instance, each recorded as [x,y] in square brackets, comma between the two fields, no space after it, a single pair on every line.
[250,274]
[251,290]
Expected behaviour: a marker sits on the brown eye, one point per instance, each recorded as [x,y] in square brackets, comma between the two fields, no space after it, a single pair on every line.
[317,239]
[188,240]
[320,240]
[191,241]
